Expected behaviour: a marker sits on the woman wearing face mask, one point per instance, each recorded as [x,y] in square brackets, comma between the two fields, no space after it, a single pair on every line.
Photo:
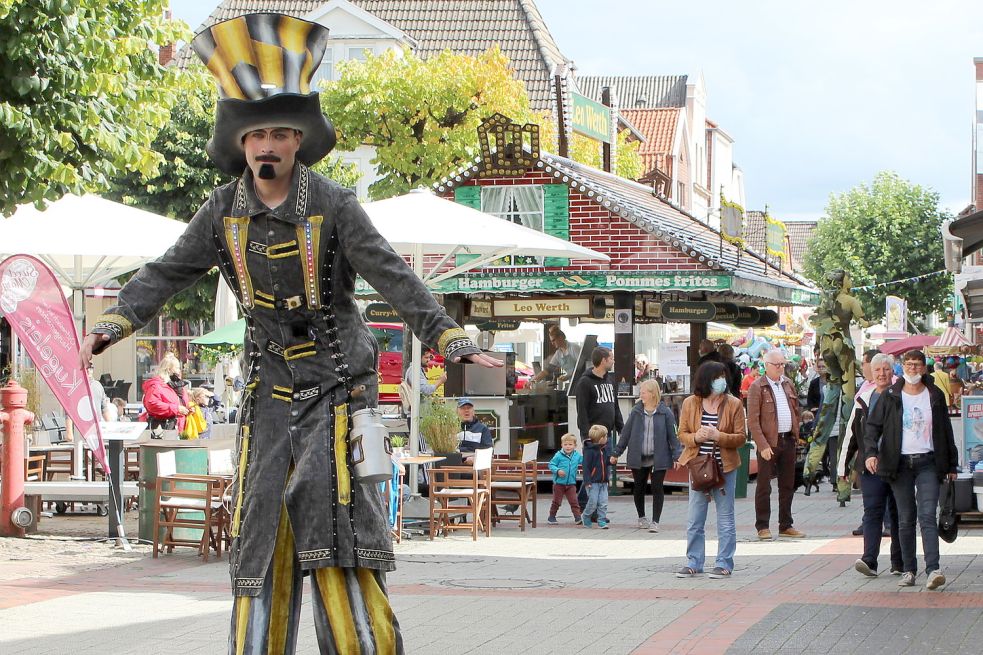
[712,421]
[165,397]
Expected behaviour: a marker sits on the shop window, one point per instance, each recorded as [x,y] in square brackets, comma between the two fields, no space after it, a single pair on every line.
[523,205]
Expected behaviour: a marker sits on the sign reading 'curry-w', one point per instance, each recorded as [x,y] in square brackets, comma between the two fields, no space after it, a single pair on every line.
[592,119]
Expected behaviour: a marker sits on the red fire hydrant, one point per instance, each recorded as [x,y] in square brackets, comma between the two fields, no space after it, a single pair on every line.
[14,517]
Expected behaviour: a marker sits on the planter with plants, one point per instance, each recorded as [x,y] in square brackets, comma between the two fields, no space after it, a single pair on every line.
[398,442]
[439,425]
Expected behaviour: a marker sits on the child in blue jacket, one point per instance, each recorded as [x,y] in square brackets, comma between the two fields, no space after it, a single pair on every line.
[564,467]
[596,476]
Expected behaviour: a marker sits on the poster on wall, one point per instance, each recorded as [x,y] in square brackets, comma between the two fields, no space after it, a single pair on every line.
[673,360]
[895,314]
[972,429]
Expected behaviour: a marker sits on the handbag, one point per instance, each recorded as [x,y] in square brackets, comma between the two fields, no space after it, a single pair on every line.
[948,520]
[705,472]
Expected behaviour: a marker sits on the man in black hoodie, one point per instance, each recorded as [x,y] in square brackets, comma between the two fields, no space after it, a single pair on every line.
[908,441]
[597,403]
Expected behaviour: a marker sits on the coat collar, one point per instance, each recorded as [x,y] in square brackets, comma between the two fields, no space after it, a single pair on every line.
[292,210]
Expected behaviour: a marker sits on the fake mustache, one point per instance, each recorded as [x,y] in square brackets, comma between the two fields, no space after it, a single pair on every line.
[269,158]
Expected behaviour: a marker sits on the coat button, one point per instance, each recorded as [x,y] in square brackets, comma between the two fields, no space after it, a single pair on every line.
[273,269]
[276,287]
[271,233]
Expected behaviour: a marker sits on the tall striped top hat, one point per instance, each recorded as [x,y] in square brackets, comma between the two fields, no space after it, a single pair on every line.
[263,64]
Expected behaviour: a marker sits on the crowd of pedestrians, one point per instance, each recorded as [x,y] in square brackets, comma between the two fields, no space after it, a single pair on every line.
[898,447]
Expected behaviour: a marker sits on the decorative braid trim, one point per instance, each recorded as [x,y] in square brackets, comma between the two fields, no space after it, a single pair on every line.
[449,337]
[249,583]
[303,188]
[381,555]
[311,555]
[117,325]
[460,344]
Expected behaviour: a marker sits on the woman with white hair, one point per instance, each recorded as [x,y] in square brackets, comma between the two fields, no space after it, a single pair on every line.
[165,397]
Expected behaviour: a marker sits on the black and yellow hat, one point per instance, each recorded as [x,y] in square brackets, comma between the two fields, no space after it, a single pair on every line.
[263,64]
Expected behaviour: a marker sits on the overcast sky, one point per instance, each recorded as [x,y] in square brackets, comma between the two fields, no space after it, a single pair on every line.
[818,96]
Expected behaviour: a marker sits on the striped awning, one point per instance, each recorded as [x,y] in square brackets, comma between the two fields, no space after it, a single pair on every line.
[952,337]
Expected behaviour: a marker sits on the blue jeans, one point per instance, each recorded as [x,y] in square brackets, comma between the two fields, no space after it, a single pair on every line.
[597,500]
[696,520]
[916,491]
[879,507]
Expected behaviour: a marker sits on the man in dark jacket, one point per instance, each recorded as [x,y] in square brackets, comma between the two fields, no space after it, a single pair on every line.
[908,441]
[597,403]
[708,353]
[474,434]
[726,352]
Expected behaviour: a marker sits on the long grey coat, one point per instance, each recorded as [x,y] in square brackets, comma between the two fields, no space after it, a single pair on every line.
[667,448]
[307,349]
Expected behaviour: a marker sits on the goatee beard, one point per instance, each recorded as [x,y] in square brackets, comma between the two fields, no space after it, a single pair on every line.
[267,172]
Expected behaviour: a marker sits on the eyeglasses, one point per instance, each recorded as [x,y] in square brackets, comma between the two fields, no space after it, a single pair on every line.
[775,363]
[913,363]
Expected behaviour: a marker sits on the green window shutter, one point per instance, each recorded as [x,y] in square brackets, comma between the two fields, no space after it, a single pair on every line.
[470,196]
[556,217]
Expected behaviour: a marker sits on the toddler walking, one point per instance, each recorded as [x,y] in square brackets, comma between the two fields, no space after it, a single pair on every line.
[564,467]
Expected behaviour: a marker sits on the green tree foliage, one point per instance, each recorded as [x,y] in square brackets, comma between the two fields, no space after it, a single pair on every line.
[628,163]
[421,115]
[886,231]
[81,94]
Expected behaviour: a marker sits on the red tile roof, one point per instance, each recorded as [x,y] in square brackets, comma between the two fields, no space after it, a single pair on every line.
[659,128]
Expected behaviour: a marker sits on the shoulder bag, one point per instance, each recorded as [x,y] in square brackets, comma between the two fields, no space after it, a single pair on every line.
[705,473]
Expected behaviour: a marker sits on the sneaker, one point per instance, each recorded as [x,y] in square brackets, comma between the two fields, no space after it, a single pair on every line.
[551,520]
[907,579]
[654,527]
[791,533]
[602,525]
[687,572]
[718,573]
[935,580]
[578,521]
[862,568]
[643,523]
[585,521]
[896,571]
[764,534]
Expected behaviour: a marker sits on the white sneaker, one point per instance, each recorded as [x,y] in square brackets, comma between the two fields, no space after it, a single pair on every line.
[935,580]
[907,579]
[654,527]
[643,523]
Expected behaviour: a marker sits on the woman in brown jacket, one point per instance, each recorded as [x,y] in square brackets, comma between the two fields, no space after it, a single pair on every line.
[712,421]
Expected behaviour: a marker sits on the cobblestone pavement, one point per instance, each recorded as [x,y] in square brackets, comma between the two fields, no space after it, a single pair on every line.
[553,589]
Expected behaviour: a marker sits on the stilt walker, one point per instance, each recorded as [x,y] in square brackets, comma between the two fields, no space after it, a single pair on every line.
[290,242]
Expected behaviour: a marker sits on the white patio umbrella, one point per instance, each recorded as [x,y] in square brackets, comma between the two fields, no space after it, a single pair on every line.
[87,240]
[420,224]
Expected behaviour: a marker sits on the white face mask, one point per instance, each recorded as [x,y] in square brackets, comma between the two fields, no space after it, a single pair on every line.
[912,379]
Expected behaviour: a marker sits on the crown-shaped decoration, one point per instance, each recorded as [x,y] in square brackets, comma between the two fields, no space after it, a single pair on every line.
[507,148]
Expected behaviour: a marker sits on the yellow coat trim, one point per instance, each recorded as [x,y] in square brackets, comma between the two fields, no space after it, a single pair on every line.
[448,336]
[341,454]
[236,234]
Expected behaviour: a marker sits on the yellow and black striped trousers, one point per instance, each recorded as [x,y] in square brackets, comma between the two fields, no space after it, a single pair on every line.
[352,615]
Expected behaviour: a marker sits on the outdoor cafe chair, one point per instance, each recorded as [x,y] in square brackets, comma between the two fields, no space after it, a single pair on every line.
[514,484]
[187,501]
[59,461]
[448,484]
[34,468]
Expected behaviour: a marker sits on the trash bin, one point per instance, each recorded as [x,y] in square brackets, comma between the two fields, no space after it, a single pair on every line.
[744,472]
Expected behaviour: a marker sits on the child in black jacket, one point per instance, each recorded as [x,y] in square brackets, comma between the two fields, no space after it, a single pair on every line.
[596,476]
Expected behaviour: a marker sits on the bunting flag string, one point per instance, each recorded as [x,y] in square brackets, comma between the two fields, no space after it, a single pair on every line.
[901,281]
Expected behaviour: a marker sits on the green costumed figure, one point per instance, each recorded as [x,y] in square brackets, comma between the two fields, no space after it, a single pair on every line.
[836,311]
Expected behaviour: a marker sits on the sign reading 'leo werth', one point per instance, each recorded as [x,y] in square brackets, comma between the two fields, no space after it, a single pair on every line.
[592,119]
[545,307]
